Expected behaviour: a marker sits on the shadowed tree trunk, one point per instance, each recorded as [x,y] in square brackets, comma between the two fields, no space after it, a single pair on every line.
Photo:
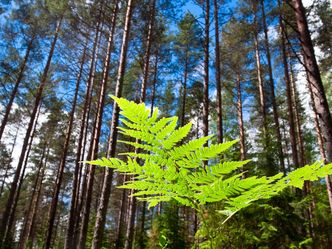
[240,118]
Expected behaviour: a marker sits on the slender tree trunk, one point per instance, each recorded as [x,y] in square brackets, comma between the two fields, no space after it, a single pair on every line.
[9,164]
[260,82]
[33,201]
[240,119]
[149,41]
[184,91]
[11,217]
[69,240]
[99,230]
[206,70]
[38,98]
[87,185]
[15,89]
[121,219]
[58,182]
[107,182]
[218,75]
[273,98]
[314,76]
[302,160]
[290,103]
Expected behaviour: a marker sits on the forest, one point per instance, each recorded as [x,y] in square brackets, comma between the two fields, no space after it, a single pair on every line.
[165,124]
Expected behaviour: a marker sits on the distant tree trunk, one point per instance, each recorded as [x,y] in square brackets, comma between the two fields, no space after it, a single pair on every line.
[11,217]
[260,78]
[154,82]
[240,118]
[289,95]
[23,243]
[99,226]
[87,185]
[218,74]
[121,219]
[206,70]
[302,160]
[108,176]
[8,165]
[38,98]
[184,89]
[69,240]
[273,98]
[58,182]
[15,89]
[314,76]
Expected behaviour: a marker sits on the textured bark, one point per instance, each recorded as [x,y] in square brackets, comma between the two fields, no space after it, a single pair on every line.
[38,98]
[108,176]
[290,103]
[273,98]
[15,89]
[320,144]
[218,74]
[314,77]
[206,70]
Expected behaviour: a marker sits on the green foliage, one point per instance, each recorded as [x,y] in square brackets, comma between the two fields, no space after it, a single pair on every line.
[166,169]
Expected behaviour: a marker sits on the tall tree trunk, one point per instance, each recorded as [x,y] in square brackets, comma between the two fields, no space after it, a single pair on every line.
[108,176]
[69,240]
[314,77]
[218,74]
[184,89]
[15,89]
[273,98]
[26,231]
[58,182]
[206,70]
[11,217]
[38,98]
[260,78]
[240,118]
[87,185]
[289,95]
[9,164]
[320,144]
[98,231]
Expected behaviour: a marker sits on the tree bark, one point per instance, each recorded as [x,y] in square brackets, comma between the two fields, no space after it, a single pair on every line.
[314,77]
[69,240]
[38,98]
[206,70]
[61,167]
[26,231]
[108,176]
[240,118]
[218,75]
[289,95]
[273,98]
[15,89]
